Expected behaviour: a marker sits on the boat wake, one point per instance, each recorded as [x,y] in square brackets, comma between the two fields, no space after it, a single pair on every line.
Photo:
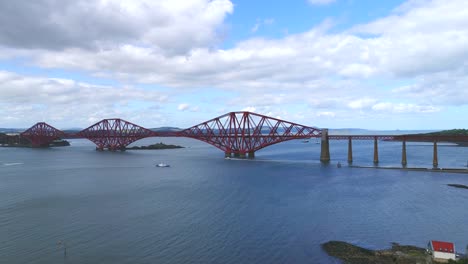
[12,164]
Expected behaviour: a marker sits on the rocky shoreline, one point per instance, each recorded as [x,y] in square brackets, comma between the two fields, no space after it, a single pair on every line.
[351,254]
[450,170]
[401,254]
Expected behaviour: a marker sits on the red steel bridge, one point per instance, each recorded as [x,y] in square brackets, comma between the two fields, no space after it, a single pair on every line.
[236,133]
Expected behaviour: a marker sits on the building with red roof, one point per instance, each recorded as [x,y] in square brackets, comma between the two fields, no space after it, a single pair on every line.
[442,250]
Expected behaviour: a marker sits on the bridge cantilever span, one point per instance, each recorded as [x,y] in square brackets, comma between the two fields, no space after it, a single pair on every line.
[243,133]
[42,134]
[115,134]
[235,133]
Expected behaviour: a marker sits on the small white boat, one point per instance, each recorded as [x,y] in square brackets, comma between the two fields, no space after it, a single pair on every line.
[161,165]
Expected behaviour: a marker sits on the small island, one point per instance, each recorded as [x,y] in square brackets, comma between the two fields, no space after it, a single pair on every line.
[155,146]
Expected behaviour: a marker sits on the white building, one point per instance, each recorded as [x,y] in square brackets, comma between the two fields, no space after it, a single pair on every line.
[442,250]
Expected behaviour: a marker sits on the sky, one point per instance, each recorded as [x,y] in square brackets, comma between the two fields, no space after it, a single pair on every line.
[382,65]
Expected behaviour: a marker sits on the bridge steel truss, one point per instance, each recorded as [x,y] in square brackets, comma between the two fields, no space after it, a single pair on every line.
[236,133]
[42,134]
[115,134]
[243,133]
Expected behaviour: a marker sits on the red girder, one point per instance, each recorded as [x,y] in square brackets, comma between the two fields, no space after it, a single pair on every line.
[235,132]
[115,134]
[245,132]
[361,137]
[413,138]
[42,134]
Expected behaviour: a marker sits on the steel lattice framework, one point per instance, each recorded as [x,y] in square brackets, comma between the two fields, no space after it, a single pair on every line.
[42,134]
[245,132]
[115,134]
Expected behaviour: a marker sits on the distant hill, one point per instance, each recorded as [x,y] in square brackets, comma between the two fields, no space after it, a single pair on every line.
[166,129]
[12,130]
[359,131]
[450,132]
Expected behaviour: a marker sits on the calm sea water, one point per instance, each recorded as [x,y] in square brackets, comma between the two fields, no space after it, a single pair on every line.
[119,208]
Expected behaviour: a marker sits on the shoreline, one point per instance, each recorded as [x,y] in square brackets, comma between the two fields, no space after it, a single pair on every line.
[349,253]
[450,170]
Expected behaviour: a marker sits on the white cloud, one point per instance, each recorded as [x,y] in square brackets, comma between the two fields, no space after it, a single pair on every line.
[187,107]
[421,42]
[249,109]
[404,108]
[255,27]
[361,103]
[32,99]
[326,114]
[183,107]
[171,27]
[259,23]
[320,2]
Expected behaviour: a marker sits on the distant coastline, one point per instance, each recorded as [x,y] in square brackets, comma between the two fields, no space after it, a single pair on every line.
[451,170]
[15,141]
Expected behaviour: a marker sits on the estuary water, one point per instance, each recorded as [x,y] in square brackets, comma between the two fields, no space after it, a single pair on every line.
[113,207]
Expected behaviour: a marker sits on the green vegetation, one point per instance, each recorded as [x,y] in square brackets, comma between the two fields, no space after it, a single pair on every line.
[445,133]
[156,146]
[459,261]
[351,254]
[13,141]
[451,132]
[19,142]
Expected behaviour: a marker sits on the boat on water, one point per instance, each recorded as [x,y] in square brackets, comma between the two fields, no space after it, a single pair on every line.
[162,165]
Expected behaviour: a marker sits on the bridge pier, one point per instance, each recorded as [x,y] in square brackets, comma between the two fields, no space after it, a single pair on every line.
[403,154]
[251,155]
[325,147]
[435,161]
[242,155]
[350,150]
[227,154]
[376,151]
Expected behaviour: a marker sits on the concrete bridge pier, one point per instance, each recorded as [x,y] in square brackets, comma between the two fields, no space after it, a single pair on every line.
[242,155]
[403,154]
[350,151]
[251,155]
[227,154]
[376,151]
[435,161]
[325,147]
